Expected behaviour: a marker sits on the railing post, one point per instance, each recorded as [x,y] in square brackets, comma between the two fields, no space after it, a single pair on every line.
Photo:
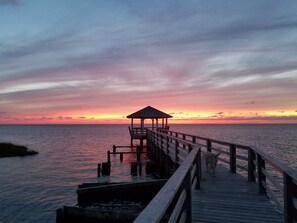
[290,191]
[251,165]
[189,197]
[161,151]
[198,171]
[167,156]
[261,175]
[232,159]
[156,146]
[194,139]
[184,138]
[176,153]
[208,145]
[190,148]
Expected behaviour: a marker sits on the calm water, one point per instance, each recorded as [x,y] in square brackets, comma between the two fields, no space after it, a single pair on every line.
[33,187]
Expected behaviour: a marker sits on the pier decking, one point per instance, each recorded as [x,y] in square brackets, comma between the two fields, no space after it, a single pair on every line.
[229,197]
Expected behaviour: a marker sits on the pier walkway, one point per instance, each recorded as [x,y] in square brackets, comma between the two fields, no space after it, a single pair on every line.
[229,197]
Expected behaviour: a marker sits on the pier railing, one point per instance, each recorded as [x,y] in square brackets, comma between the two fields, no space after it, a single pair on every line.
[276,180]
[174,200]
[137,132]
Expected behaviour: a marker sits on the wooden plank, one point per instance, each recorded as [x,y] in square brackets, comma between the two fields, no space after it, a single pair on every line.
[229,197]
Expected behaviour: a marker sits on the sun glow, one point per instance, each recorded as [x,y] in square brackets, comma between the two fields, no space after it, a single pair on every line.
[281,113]
[181,117]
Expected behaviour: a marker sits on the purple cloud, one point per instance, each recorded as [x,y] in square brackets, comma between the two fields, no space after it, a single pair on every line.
[10,2]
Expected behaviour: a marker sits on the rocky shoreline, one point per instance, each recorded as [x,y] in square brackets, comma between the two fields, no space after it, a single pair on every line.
[11,150]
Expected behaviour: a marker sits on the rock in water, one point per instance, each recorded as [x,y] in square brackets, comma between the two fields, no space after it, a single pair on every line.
[11,150]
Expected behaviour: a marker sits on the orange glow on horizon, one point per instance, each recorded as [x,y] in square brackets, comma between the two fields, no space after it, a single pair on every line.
[190,117]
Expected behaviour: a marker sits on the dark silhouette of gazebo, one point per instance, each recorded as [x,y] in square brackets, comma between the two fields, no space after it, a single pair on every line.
[159,120]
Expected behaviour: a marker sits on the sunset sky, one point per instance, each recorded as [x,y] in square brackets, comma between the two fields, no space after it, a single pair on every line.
[201,61]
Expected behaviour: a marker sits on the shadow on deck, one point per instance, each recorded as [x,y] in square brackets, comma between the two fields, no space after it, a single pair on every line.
[230,197]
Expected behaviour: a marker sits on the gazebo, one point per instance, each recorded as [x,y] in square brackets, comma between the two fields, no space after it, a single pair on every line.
[159,120]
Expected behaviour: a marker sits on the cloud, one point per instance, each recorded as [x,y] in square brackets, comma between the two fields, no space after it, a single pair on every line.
[45,118]
[232,119]
[250,103]
[45,44]
[65,118]
[10,2]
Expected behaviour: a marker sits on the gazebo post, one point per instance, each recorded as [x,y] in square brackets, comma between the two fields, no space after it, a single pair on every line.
[142,132]
[131,142]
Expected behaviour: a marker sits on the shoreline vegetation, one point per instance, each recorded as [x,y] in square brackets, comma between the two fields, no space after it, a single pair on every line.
[11,150]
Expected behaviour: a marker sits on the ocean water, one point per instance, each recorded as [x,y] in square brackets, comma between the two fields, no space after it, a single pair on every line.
[33,187]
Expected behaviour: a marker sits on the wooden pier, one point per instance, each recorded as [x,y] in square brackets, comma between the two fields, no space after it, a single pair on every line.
[250,186]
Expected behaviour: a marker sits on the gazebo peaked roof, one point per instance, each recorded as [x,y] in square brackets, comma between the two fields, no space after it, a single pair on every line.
[149,112]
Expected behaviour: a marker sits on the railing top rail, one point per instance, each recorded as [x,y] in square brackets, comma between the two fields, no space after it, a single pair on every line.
[173,137]
[277,164]
[155,210]
[214,140]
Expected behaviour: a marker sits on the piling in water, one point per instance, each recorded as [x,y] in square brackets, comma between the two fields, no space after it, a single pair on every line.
[106,168]
[134,168]
[99,170]
[108,156]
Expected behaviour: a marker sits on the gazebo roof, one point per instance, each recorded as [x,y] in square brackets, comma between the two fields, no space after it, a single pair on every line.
[149,112]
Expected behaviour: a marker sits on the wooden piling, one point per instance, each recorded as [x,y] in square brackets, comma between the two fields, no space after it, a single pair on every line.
[99,169]
[106,168]
[134,168]
[108,156]
[121,157]
[138,154]
[139,168]
[150,167]
[60,215]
